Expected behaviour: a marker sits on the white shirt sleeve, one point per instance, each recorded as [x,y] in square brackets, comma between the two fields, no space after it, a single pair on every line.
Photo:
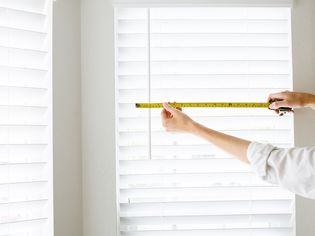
[291,168]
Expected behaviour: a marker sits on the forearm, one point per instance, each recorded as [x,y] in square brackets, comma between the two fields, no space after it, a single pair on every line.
[232,145]
[310,101]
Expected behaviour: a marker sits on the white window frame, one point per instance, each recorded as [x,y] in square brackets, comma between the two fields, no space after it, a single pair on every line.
[102,69]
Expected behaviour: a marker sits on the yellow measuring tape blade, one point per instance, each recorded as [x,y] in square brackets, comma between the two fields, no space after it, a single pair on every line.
[206,104]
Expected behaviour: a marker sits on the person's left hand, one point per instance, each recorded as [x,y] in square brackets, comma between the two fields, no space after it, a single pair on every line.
[174,120]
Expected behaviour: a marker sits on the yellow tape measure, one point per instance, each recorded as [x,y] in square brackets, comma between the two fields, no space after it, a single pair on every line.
[206,104]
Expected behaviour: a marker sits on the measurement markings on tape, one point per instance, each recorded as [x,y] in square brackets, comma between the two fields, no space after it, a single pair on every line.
[205,104]
[213,105]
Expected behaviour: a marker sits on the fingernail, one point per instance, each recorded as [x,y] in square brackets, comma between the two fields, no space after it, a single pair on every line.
[272,106]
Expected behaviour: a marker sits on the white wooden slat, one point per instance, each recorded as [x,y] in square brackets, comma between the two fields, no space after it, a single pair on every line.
[22,58]
[209,81]
[175,152]
[10,115]
[198,180]
[140,124]
[22,192]
[22,211]
[15,77]
[23,39]
[203,3]
[10,18]
[32,6]
[204,54]
[160,138]
[218,232]
[23,154]
[204,13]
[206,208]
[206,67]
[205,26]
[155,222]
[199,94]
[34,227]
[137,40]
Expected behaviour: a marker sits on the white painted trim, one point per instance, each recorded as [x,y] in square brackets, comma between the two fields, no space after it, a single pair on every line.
[303,37]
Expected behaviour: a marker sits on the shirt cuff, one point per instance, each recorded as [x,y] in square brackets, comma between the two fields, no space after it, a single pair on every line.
[257,155]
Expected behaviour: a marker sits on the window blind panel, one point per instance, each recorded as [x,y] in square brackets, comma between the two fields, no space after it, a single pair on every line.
[25,118]
[178,184]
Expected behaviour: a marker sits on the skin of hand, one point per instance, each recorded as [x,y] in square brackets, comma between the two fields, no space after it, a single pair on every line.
[291,99]
[174,120]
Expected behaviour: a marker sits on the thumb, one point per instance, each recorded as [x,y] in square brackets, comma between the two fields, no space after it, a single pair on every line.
[168,107]
[276,105]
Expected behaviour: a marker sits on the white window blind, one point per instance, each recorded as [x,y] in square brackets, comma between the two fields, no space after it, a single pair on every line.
[177,184]
[25,118]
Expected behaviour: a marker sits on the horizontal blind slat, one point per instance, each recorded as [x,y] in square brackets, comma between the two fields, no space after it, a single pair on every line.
[21,19]
[182,40]
[29,5]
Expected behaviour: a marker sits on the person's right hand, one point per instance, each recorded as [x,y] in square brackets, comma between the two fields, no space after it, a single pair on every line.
[291,99]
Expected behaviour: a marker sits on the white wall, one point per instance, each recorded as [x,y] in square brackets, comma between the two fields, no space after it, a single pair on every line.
[303,26]
[67,118]
[98,121]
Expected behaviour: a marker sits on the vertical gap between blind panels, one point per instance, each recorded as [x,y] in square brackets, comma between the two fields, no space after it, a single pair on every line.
[149,84]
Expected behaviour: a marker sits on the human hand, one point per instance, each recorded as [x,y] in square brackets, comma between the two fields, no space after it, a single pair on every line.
[174,120]
[291,100]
